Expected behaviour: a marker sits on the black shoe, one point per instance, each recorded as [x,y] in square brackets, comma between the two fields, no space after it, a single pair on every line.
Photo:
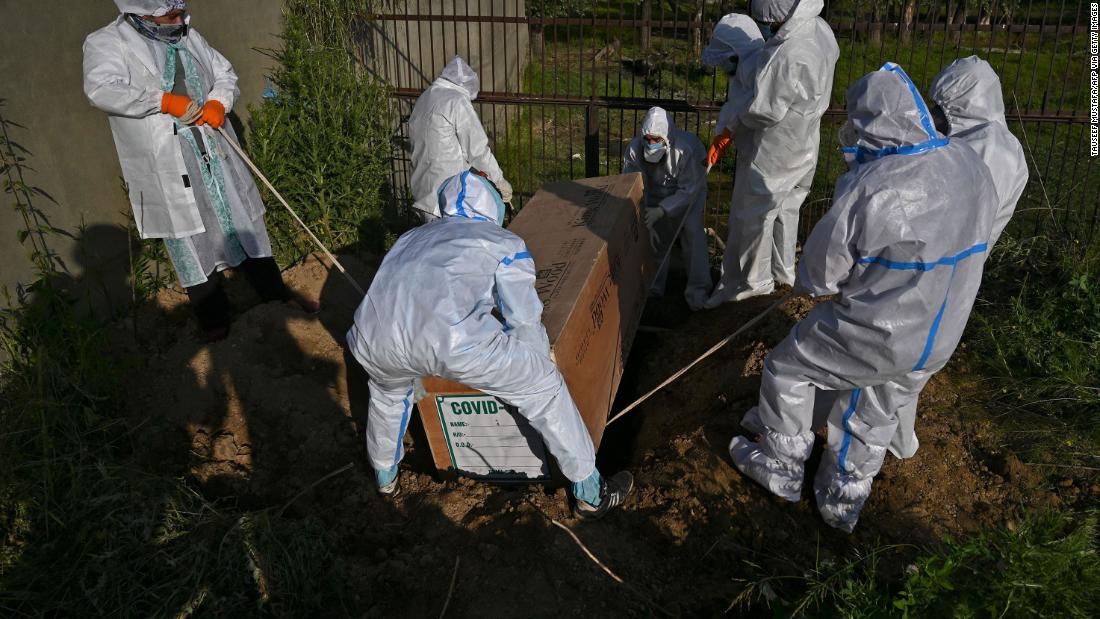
[613,491]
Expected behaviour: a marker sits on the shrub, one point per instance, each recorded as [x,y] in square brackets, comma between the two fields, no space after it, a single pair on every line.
[323,136]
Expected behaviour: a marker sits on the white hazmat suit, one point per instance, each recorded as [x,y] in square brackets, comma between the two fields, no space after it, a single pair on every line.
[777,147]
[969,93]
[677,186]
[903,247]
[447,137]
[429,313]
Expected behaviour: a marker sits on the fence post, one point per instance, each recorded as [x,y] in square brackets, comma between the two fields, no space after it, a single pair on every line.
[592,142]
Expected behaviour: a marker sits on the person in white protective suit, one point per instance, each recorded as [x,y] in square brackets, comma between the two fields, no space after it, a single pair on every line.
[166,91]
[673,167]
[777,146]
[969,106]
[903,247]
[447,137]
[732,48]
[429,313]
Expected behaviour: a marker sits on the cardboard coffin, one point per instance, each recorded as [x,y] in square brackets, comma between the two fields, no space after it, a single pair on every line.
[592,253]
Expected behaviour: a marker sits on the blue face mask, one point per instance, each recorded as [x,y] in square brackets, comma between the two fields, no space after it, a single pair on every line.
[654,152]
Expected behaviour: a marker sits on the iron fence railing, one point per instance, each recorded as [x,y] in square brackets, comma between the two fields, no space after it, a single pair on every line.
[566,83]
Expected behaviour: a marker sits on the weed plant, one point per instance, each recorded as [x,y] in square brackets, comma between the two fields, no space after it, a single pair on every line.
[323,136]
[1046,566]
[84,530]
[1036,331]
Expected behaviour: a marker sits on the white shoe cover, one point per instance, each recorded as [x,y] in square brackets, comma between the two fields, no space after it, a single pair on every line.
[783,480]
[723,294]
[840,496]
[754,292]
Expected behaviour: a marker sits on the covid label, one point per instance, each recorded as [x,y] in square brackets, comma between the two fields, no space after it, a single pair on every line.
[485,438]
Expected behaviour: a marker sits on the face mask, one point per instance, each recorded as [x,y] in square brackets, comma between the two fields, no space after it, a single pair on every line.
[654,152]
[165,33]
[171,32]
[729,65]
[848,138]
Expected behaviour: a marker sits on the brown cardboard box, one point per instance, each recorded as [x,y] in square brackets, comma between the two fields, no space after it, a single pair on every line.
[592,253]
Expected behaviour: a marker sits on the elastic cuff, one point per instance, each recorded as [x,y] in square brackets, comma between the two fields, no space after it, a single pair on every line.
[385,477]
[790,450]
[588,490]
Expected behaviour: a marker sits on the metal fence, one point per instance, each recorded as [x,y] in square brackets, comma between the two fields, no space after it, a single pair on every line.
[566,83]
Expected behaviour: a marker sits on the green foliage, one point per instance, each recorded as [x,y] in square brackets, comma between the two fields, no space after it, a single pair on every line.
[1037,326]
[324,139]
[1048,567]
[83,530]
[558,8]
[24,197]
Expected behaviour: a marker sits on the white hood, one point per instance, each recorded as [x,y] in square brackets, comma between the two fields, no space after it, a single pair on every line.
[471,196]
[734,35]
[459,73]
[156,8]
[969,93]
[657,122]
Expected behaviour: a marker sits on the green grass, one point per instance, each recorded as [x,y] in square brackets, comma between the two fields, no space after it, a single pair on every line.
[1035,336]
[1046,566]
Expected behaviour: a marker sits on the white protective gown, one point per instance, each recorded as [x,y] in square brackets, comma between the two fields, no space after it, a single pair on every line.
[124,76]
[969,93]
[447,137]
[677,184]
[429,313]
[903,247]
[777,147]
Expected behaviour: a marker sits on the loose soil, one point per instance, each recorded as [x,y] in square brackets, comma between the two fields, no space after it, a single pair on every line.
[262,417]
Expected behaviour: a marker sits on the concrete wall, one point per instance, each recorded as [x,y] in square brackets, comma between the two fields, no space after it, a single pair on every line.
[409,54]
[72,153]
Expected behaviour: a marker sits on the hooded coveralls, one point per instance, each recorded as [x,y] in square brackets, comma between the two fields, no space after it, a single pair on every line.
[676,184]
[903,246]
[429,313]
[969,93]
[447,137]
[184,185]
[777,146]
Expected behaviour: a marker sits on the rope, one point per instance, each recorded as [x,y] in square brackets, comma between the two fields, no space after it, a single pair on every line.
[278,196]
[713,349]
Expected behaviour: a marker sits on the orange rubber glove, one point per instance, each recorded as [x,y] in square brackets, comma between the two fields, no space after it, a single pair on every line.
[718,147]
[176,105]
[213,114]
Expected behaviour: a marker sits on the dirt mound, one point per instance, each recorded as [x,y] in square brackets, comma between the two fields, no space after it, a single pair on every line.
[265,416]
